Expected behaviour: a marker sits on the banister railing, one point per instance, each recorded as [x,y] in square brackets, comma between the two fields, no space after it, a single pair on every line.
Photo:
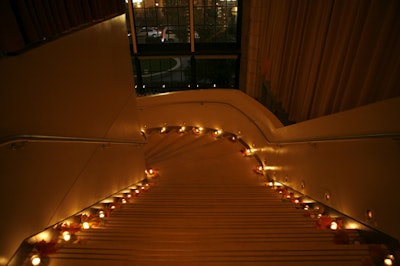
[340,138]
[10,140]
[13,140]
[395,135]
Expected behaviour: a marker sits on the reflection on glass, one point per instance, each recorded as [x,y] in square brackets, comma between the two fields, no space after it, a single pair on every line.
[162,75]
[216,21]
[164,21]
[164,60]
[212,73]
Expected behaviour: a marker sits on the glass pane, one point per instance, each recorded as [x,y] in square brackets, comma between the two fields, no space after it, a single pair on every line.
[162,32]
[167,21]
[216,20]
[163,75]
[216,73]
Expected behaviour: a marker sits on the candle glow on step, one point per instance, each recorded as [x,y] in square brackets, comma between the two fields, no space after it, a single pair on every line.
[66,236]
[85,225]
[35,260]
[334,225]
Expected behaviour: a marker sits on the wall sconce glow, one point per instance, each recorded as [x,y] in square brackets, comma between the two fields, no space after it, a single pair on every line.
[85,225]
[163,129]
[369,214]
[327,195]
[66,236]
[334,225]
[35,260]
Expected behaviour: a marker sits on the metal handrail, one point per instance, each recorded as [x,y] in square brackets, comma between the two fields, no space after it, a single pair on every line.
[288,142]
[41,138]
[340,138]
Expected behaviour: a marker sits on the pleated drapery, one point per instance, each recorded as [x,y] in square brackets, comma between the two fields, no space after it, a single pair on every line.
[322,57]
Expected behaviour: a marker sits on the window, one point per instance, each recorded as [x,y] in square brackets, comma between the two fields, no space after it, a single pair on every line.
[184,44]
[216,21]
[162,74]
[216,73]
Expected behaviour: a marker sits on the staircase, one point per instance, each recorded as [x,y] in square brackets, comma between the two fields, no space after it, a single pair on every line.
[207,207]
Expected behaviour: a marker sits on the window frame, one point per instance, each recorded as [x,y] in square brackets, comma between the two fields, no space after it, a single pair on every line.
[195,50]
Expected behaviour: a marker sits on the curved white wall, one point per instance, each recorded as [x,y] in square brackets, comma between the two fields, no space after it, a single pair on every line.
[358,174]
[80,85]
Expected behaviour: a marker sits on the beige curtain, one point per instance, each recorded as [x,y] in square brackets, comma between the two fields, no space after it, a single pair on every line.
[326,56]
